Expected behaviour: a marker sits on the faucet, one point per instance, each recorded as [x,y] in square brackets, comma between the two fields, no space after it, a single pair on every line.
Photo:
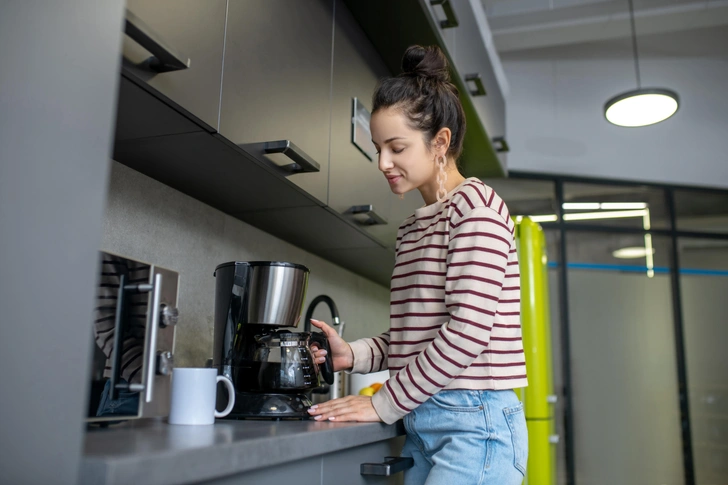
[332,306]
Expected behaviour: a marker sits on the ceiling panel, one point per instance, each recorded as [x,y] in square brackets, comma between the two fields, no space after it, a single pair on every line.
[528,24]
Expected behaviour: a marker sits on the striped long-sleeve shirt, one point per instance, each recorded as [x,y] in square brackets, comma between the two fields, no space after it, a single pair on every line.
[455,304]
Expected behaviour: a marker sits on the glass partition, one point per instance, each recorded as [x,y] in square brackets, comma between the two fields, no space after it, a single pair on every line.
[635,206]
[623,363]
[704,286]
[704,211]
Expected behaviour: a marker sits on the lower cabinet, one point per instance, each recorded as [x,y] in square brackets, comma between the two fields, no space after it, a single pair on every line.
[338,468]
[302,472]
[343,467]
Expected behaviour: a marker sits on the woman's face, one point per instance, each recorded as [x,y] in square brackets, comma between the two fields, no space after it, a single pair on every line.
[403,156]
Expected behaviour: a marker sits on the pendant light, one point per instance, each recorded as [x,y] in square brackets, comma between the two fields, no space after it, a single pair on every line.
[641,106]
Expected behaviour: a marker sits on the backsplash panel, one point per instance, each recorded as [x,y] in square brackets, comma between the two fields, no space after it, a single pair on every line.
[152,222]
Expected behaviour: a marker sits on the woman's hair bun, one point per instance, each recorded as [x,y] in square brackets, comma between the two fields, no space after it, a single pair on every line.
[428,62]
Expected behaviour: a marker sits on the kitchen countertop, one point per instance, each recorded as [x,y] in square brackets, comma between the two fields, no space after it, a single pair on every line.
[151,451]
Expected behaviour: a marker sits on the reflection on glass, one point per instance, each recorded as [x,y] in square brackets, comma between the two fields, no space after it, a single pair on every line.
[699,210]
[623,363]
[615,205]
[635,253]
[704,286]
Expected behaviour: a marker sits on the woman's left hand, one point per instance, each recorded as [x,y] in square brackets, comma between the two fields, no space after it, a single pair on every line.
[349,408]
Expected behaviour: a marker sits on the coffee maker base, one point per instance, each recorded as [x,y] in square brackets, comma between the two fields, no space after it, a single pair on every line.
[249,405]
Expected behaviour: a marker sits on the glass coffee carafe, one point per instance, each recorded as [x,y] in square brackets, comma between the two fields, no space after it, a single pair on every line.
[283,362]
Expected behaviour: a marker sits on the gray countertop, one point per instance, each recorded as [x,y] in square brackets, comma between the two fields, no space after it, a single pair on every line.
[150,451]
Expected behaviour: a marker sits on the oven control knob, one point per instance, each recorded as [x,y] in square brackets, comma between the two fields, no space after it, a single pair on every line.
[165,363]
[169,315]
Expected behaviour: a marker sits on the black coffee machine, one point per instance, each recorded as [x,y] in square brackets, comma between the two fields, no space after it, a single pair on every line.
[257,306]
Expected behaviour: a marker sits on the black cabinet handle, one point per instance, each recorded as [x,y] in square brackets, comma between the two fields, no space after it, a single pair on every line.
[479,88]
[501,145]
[302,163]
[164,58]
[391,466]
[374,218]
[451,18]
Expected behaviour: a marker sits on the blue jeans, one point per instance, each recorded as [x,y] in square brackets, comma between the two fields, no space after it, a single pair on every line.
[467,438]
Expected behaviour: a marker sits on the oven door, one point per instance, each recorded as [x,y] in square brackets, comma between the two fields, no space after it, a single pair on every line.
[133,340]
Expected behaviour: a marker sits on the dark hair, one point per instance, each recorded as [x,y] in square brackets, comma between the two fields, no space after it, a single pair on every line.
[424,93]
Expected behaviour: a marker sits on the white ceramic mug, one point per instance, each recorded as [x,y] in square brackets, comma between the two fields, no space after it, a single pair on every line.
[194,393]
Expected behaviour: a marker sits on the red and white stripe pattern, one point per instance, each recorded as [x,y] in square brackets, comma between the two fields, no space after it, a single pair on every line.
[455,304]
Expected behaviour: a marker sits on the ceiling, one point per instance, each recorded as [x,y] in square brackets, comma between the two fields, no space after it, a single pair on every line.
[528,24]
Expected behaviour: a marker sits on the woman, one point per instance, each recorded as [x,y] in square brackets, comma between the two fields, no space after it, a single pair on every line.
[454,348]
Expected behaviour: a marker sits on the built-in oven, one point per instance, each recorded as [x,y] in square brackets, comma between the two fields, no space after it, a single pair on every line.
[133,329]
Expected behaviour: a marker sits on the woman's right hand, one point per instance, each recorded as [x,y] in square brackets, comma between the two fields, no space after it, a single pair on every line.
[341,353]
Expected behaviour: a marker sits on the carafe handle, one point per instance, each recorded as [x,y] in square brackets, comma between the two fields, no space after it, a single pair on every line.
[327,368]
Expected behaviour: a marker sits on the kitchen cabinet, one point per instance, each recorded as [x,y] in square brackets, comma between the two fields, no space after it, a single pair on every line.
[191,29]
[344,466]
[420,22]
[471,48]
[301,472]
[341,467]
[277,82]
[354,178]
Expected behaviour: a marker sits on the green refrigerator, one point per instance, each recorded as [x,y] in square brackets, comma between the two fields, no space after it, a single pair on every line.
[539,397]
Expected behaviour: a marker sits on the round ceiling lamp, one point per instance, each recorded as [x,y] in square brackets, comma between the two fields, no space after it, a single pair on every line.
[641,106]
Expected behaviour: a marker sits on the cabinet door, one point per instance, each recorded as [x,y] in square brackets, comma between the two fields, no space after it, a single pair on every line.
[301,472]
[343,467]
[477,62]
[194,29]
[277,80]
[355,179]
[463,27]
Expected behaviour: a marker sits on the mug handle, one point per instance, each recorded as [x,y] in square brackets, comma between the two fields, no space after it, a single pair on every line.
[231,397]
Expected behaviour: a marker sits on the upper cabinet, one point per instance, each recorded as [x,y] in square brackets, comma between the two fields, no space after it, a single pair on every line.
[184,40]
[357,189]
[460,29]
[464,29]
[276,87]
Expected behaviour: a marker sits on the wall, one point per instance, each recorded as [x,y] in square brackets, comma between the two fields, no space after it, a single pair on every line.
[151,222]
[555,116]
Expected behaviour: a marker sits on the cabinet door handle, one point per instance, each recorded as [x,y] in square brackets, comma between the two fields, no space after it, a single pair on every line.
[451,18]
[391,466]
[501,145]
[374,218]
[164,58]
[479,88]
[302,163]
[154,311]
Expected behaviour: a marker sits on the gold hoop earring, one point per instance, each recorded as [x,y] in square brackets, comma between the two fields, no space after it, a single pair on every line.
[401,196]
[441,161]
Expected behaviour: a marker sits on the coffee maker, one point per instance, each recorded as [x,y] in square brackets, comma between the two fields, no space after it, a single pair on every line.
[258,305]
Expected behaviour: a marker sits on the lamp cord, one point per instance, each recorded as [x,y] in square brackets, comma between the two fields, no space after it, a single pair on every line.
[634,45]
